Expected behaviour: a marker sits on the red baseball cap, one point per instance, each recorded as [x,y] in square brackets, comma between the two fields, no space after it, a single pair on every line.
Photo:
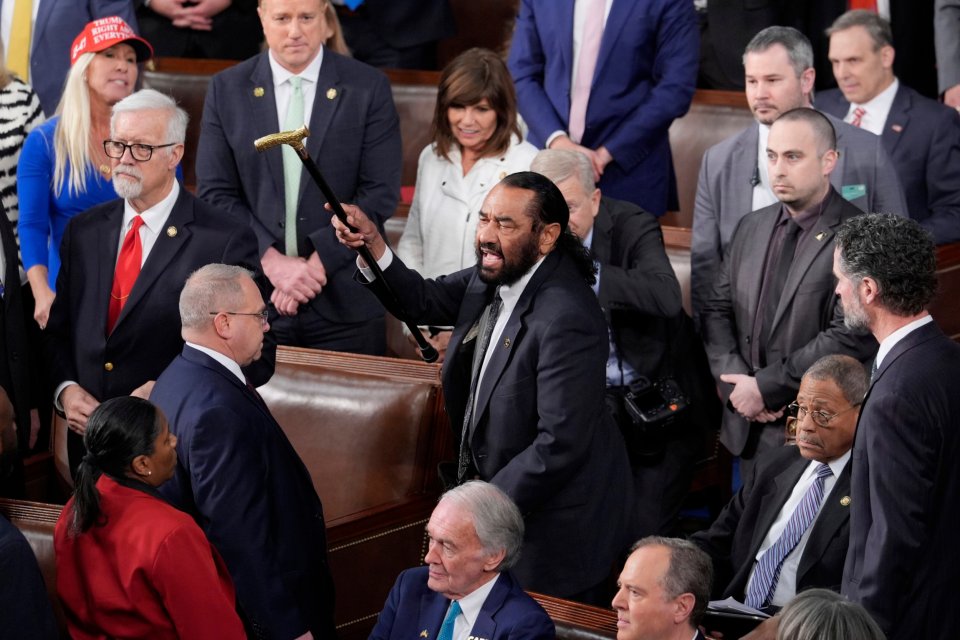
[104,33]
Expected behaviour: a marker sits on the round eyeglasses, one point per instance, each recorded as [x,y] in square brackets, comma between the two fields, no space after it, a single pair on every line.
[820,418]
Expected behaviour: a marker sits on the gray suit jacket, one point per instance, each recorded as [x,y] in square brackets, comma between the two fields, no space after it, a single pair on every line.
[725,193]
[808,322]
[946,26]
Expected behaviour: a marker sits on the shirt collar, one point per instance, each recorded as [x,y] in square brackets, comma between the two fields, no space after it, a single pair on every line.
[472,603]
[809,216]
[281,74]
[881,103]
[891,340]
[510,293]
[228,362]
[156,216]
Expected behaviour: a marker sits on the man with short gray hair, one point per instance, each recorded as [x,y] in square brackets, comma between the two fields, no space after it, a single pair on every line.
[114,324]
[475,534]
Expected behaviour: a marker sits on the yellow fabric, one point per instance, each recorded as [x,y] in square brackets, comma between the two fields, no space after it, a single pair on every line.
[18,49]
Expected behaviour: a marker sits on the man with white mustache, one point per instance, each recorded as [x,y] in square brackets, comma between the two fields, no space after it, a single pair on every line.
[763,511]
[115,325]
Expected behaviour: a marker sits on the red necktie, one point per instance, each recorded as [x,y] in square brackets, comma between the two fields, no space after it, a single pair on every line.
[128,268]
[858,114]
[870,5]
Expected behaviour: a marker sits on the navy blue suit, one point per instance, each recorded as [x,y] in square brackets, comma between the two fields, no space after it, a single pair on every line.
[733,540]
[540,431]
[26,611]
[355,141]
[508,612]
[922,137]
[645,77]
[902,564]
[58,23]
[250,492]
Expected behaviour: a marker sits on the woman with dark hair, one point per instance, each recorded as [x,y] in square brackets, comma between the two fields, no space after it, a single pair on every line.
[129,565]
[476,143]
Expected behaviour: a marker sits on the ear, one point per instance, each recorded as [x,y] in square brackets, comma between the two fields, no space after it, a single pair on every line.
[807,79]
[176,154]
[548,237]
[887,54]
[595,201]
[493,561]
[221,324]
[870,289]
[829,161]
[141,466]
[683,607]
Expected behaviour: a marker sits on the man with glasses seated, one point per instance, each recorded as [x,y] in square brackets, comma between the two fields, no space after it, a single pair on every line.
[787,528]
[114,325]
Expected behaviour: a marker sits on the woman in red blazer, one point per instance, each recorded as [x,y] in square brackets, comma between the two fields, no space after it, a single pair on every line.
[129,565]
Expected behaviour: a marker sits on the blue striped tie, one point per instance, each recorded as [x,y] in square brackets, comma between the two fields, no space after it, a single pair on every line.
[767,571]
[446,629]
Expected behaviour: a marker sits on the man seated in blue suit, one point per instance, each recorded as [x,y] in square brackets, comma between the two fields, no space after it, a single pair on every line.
[466,588]
[354,140]
[523,380]
[663,591]
[752,525]
[237,473]
[921,135]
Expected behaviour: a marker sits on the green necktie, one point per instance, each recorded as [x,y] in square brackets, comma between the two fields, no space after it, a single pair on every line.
[292,167]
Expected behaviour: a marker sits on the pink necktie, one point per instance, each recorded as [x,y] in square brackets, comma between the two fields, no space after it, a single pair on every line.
[858,114]
[589,48]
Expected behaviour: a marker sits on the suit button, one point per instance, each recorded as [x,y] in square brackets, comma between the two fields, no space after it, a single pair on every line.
[281,224]
[108,366]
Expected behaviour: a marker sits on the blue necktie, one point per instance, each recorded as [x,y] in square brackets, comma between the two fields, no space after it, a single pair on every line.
[446,629]
[353,4]
[767,571]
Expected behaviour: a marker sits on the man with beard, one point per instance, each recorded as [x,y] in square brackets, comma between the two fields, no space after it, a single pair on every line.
[771,541]
[528,411]
[902,565]
[114,325]
[772,312]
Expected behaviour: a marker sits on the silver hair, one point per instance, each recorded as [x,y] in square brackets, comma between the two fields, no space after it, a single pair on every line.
[797,45]
[207,290]
[149,100]
[560,164]
[821,614]
[877,28]
[690,571]
[496,518]
[847,373]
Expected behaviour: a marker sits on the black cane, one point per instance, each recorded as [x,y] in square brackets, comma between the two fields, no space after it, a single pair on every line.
[295,140]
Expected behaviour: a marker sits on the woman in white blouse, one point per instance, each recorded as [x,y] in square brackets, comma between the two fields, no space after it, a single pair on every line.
[476,143]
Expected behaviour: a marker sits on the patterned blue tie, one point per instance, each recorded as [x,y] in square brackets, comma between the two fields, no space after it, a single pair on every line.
[767,571]
[446,629]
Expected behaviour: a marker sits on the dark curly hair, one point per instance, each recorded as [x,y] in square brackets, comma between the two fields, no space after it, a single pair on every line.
[897,253]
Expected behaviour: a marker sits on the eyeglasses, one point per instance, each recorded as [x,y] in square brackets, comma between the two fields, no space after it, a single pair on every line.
[820,418]
[263,315]
[140,152]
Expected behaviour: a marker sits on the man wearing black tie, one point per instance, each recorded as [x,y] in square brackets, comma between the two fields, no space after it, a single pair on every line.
[524,380]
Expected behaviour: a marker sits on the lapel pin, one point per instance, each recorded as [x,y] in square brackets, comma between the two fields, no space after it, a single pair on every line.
[896,128]
[258,92]
[172,231]
[819,236]
[845,501]
[331,93]
[506,342]
[423,634]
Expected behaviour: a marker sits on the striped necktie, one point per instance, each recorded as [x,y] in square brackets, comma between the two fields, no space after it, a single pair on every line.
[858,114]
[767,571]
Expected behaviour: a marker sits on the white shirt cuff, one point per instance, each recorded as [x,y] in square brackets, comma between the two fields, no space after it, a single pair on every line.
[385,261]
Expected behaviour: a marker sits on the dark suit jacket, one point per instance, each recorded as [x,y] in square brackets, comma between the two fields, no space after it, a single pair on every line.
[732,24]
[735,537]
[645,77]
[922,137]
[541,432]
[407,23]
[234,35]
[26,612]
[641,297]
[16,375]
[146,336]
[248,489]
[808,322]
[354,139]
[903,566]
[58,22]
[508,612]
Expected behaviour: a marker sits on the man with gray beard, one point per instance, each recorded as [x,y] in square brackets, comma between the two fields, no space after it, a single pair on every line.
[115,325]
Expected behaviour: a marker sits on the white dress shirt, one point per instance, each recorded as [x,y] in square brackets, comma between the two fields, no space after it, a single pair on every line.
[6,24]
[154,221]
[787,582]
[763,193]
[891,340]
[875,111]
[470,606]
[282,89]
[228,363]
